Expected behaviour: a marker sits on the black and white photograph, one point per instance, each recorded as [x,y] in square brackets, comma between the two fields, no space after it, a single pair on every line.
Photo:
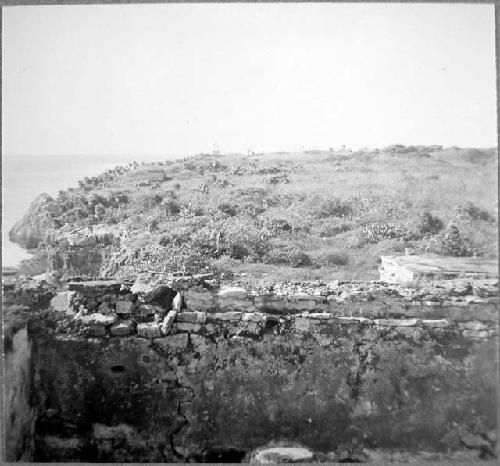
[249,232]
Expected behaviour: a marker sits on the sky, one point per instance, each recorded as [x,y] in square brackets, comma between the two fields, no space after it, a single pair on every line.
[160,80]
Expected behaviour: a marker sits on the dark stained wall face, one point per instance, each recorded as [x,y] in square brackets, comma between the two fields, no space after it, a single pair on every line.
[220,391]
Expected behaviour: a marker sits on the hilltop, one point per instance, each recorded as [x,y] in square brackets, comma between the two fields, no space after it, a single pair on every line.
[278,216]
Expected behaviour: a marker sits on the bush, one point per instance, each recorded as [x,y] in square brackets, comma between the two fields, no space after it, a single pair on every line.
[429,224]
[276,226]
[237,251]
[243,239]
[171,259]
[175,237]
[171,207]
[289,255]
[334,258]
[473,212]
[152,224]
[332,208]
[451,243]
[376,232]
[146,201]
[333,228]
[228,209]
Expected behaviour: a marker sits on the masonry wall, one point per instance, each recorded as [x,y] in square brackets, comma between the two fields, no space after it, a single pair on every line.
[237,369]
[18,414]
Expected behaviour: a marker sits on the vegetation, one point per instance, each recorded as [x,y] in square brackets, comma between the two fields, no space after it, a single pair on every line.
[290,215]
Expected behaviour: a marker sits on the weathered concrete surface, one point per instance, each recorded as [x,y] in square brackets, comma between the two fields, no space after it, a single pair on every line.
[406,269]
[99,400]
[229,389]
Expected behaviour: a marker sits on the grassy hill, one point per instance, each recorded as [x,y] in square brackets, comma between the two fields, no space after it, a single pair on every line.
[279,216]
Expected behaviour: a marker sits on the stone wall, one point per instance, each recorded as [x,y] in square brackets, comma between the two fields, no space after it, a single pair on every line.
[16,384]
[190,370]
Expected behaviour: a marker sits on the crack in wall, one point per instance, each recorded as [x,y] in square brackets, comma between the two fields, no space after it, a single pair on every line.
[180,415]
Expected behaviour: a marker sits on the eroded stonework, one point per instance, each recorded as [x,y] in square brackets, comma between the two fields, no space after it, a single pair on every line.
[193,370]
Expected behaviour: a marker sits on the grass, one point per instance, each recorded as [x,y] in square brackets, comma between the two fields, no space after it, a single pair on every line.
[288,215]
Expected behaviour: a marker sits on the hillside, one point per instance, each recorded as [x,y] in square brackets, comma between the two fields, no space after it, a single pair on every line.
[279,216]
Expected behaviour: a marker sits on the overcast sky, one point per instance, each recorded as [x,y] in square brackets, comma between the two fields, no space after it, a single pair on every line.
[175,79]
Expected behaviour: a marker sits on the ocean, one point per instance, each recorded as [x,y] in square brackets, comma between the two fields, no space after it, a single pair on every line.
[25,177]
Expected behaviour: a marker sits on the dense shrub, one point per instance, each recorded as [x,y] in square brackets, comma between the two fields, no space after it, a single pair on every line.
[171,207]
[472,212]
[428,224]
[332,208]
[334,258]
[276,226]
[451,243]
[376,232]
[171,259]
[146,201]
[175,237]
[244,239]
[228,209]
[326,230]
[288,255]
[237,251]
[152,224]
[207,240]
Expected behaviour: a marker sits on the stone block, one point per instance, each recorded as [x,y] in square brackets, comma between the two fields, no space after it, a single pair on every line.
[475,325]
[320,315]
[250,327]
[396,322]
[168,321]
[231,316]
[107,298]
[177,302]
[405,269]
[187,327]
[301,324]
[414,332]
[145,310]
[124,307]
[172,343]
[347,320]
[142,288]
[232,292]
[282,455]
[476,333]
[149,330]
[195,300]
[300,297]
[105,308]
[97,319]
[121,329]
[63,301]
[435,323]
[96,331]
[253,317]
[192,317]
